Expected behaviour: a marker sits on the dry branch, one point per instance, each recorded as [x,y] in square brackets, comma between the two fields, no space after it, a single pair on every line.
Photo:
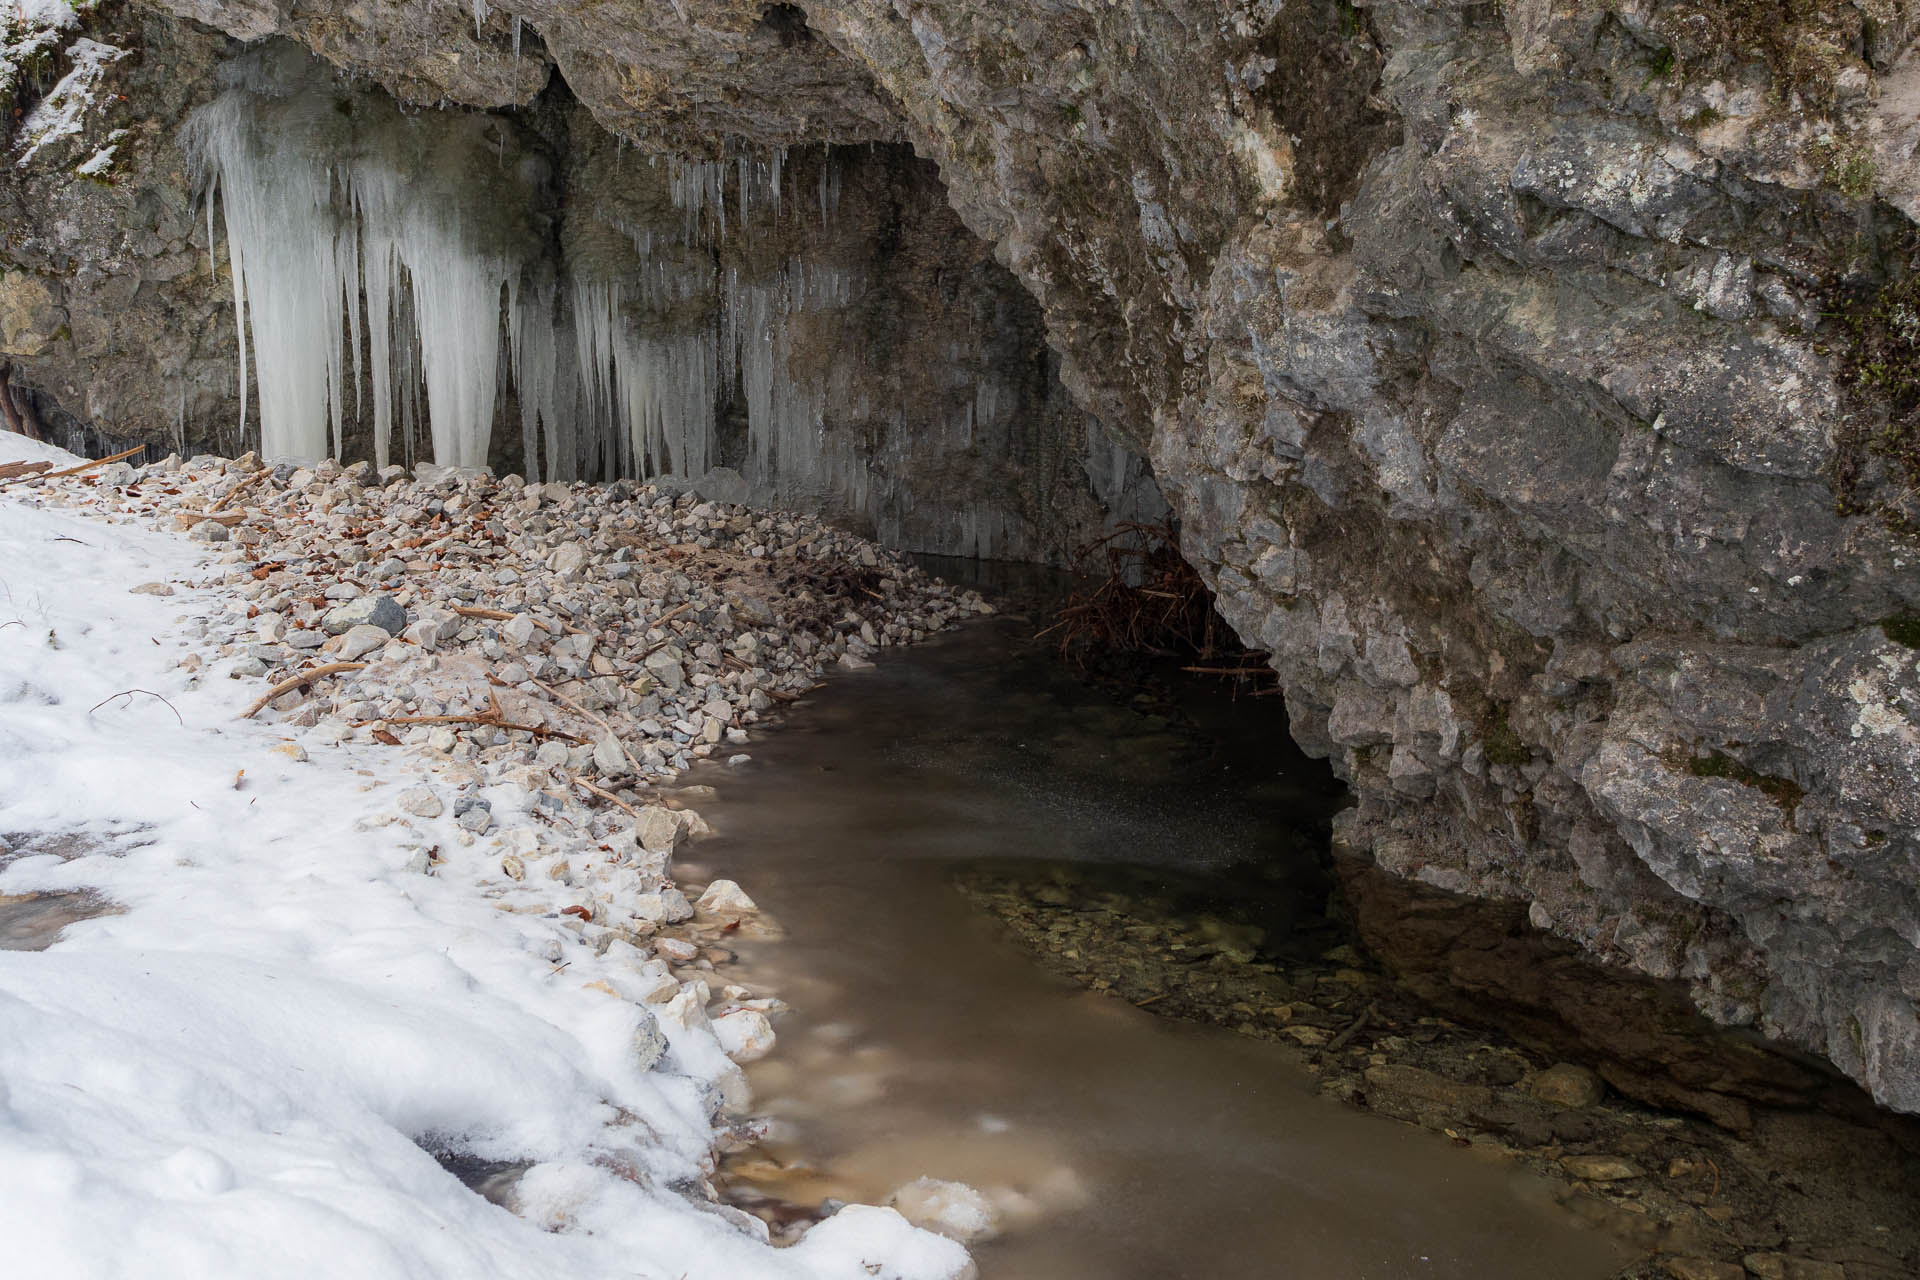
[605,728]
[608,796]
[493,717]
[298,682]
[501,615]
[236,491]
[85,466]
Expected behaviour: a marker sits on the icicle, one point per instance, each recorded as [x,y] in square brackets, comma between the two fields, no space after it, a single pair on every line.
[479,18]
[321,205]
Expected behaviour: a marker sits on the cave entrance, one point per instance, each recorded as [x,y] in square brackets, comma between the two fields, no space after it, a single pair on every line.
[807,327]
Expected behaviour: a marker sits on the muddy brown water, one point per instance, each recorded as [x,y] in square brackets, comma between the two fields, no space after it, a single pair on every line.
[924,1042]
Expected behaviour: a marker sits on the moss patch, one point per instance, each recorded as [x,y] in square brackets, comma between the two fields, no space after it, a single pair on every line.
[1805,43]
[1501,743]
[1784,792]
[1902,628]
[1876,314]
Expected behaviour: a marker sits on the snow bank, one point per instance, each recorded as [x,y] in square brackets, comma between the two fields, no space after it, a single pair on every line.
[239,1074]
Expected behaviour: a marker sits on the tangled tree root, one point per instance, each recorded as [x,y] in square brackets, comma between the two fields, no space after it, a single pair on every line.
[1151,603]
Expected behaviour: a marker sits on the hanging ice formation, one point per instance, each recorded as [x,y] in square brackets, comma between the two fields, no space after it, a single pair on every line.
[384,261]
[393,270]
[330,197]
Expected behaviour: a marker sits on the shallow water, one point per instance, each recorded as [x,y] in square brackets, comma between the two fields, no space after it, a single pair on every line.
[1119,1146]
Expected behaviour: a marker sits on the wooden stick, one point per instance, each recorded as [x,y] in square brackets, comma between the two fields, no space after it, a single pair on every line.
[20,470]
[501,615]
[604,726]
[87,466]
[672,613]
[487,719]
[608,796]
[300,681]
[234,492]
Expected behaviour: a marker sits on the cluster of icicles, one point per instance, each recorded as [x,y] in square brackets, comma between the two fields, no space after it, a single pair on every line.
[390,270]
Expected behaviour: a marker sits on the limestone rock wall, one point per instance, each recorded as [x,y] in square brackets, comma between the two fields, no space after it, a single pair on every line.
[1485,354]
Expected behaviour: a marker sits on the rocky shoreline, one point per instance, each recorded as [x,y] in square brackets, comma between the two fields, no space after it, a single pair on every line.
[1791,1194]
[530,667]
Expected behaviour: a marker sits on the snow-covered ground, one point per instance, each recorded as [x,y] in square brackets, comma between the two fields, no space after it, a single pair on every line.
[238,1073]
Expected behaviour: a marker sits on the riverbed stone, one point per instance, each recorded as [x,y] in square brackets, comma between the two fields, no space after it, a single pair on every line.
[724,902]
[473,813]
[953,1209]
[745,1034]
[1414,1082]
[1703,1269]
[649,1041]
[1601,1168]
[1567,1085]
[1785,1266]
[659,829]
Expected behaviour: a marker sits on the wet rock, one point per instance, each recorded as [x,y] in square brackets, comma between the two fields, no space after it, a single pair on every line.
[1600,1168]
[1783,1266]
[380,611]
[677,950]
[953,1209]
[1413,1082]
[1566,1085]
[1703,1269]
[724,902]
[745,1034]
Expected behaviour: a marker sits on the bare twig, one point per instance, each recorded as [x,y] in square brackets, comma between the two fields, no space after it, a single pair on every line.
[1354,1028]
[299,682]
[608,796]
[492,717]
[501,615]
[604,726]
[671,614]
[236,491]
[486,720]
[128,693]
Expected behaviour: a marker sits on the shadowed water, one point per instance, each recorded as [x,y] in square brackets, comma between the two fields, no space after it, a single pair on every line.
[1119,1146]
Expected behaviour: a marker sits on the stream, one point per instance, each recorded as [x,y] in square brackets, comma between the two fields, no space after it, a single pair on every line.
[923,1040]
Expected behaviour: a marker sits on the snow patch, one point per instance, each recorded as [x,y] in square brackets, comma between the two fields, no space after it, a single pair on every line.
[239,1074]
[63,111]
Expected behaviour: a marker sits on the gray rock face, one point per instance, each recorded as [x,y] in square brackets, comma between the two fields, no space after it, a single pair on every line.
[1478,349]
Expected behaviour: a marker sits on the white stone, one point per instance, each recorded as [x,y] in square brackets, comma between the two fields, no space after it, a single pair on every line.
[953,1209]
[745,1034]
[362,640]
[608,758]
[724,901]
[421,802]
[659,829]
